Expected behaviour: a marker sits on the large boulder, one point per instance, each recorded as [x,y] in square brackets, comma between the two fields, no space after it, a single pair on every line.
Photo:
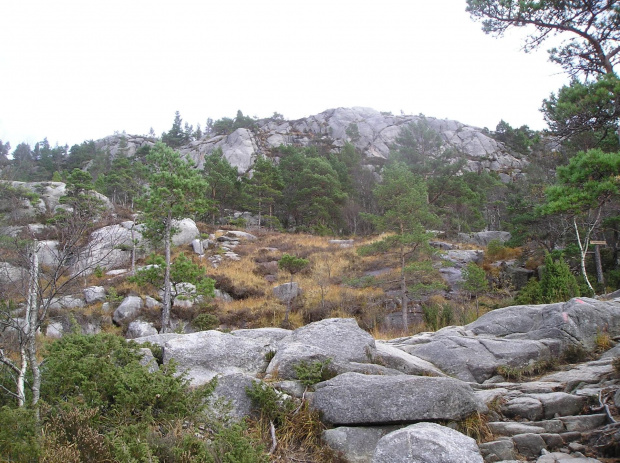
[139,329]
[513,336]
[356,443]
[357,399]
[48,253]
[341,338]
[11,275]
[426,443]
[573,322]
[229,399]
[467,357]
[268,337]
[94,294]
[108,247]
[127,310]
[287,291]
[186,232]
[397,359]
[205,354]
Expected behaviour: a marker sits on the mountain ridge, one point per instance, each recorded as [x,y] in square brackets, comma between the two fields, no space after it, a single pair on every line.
[370,131]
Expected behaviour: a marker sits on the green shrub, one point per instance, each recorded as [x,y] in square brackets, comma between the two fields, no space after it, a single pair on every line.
[311,373]
[271,404]
[531,293]
[103,371]
[205,321]
[557,284]
[436,316]
[495,248]
[18,435]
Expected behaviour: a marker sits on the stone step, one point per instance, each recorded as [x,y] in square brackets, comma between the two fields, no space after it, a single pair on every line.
[563,424]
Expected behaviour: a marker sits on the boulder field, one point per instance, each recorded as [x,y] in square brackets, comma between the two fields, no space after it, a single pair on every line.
[401,400]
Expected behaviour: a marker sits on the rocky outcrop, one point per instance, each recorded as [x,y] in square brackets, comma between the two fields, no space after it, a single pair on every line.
[514,336]
[390,400]
[371,131]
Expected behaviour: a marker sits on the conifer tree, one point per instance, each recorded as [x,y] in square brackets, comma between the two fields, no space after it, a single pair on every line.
[176,190]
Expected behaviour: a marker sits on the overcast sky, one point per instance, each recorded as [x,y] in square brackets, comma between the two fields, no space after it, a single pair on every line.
[78,70]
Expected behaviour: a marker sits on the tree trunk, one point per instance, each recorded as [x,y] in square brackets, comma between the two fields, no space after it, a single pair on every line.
[32,320]
[582,255]
[403,290]
[167,303]
[599,265]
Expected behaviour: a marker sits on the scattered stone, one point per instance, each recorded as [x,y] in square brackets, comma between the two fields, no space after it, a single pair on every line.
[187,231]
[529,445]
[127,310]
[139,329]
[287,291]
[94,294]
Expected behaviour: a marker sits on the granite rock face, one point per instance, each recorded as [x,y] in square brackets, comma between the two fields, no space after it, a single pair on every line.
[370,131]
[205,354]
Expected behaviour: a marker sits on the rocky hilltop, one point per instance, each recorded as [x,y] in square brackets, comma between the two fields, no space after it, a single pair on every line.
[372,132]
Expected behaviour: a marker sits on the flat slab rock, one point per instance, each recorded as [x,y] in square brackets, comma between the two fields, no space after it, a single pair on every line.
[206,353]
[353,399]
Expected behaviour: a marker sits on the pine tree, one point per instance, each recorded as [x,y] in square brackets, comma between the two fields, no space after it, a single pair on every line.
[176,190]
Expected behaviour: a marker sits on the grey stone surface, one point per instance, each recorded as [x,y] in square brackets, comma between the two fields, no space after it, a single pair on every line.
[148,360]
[139,329]
[197,247]
[128,309]
[585,373]
[268,337]
[426,443]
[48,253]
[476,358]
[207,353]
[523,407]
[560,457]
[502,449]
[287,291]
[230,398]
[356,444]
[484,238]
[583,423]
[67,302]
[94,294]
[340,338]
[353,398]
[574,321]
[10,274]
[108,247]
[397,359]
[560,404]
[187,231]
[511,428]
[529,445]
[241,235]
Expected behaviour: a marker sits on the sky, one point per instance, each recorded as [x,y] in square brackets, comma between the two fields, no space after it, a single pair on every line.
[76,70]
